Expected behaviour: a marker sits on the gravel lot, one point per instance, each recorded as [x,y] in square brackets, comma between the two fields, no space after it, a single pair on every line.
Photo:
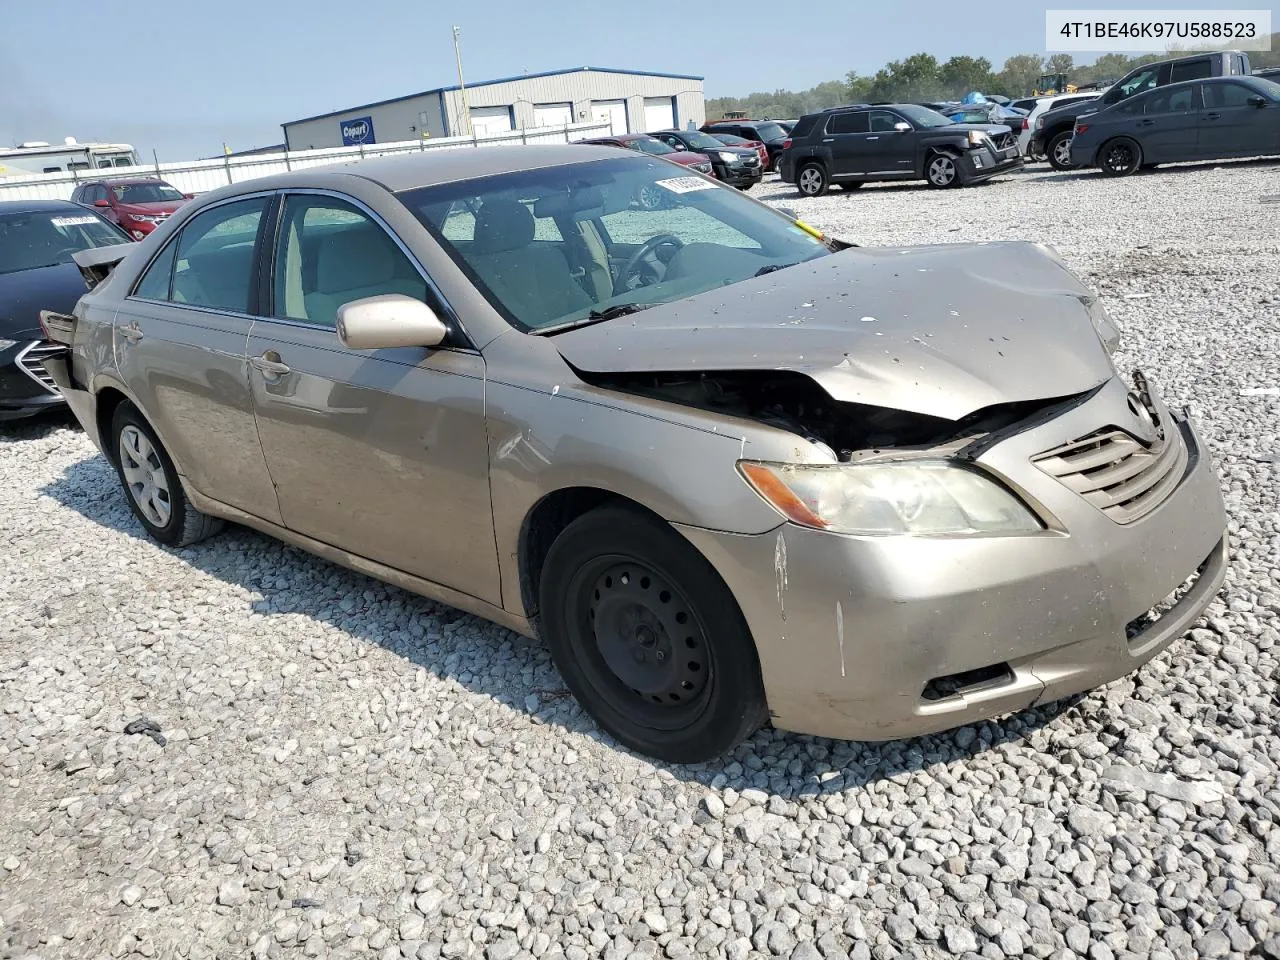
[345,769]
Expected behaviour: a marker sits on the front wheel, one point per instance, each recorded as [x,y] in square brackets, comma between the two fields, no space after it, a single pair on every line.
[1059,151]
[1120,158]
[942,170]
[648,637]
[151,483]
[812,181]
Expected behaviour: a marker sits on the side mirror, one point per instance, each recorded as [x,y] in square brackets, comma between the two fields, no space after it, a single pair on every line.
[389,320]
[101,203]
[902,126]
[1257,101]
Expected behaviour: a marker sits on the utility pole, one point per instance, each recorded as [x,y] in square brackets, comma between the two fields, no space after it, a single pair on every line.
[462,87]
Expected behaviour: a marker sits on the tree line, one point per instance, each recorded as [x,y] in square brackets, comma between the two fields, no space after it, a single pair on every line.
[923,77]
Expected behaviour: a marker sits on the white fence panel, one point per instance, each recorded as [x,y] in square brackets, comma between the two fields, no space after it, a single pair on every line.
[199,176]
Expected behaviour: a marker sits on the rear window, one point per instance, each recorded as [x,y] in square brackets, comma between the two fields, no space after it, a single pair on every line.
[803,126]
[856,122]
[1193,70]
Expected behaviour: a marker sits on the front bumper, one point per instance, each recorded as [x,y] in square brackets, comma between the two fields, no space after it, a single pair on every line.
[857,635]
[26,389]
[983,163]
[738,176]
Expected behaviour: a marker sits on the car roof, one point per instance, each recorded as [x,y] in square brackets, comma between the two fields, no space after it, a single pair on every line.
[37,206]
[125,181]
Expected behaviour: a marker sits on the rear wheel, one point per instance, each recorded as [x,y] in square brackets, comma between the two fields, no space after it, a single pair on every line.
[648,637]
[1120,157]
[151,483]
[812,180]
[942,170]
[1058,151]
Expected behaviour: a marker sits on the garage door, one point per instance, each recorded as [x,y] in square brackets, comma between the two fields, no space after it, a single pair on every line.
[552,114]
[659,113]
[487,121]
[612,112]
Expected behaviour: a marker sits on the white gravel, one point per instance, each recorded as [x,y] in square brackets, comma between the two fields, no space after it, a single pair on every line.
[343,769]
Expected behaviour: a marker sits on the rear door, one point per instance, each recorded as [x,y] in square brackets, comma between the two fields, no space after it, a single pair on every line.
[845,138]
[180,346]
[382,453]
[1169,124]
[1230,125]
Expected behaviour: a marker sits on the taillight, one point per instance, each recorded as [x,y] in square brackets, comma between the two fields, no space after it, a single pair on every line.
[1026,123]
[1081,127]
[786,144]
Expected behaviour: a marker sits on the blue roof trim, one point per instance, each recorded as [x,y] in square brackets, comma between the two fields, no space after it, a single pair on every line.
[486,83]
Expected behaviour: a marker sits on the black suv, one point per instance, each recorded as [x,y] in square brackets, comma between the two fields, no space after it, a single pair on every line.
[772,134]
[737,166]
[898,141]
[1052,135]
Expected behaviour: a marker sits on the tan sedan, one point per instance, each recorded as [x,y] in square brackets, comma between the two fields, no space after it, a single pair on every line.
[729,469]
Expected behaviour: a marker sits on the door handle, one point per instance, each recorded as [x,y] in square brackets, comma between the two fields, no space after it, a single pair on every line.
[873,138]
[132,332]
[1146,123]
[1212,116]
[269,364]
[828,139]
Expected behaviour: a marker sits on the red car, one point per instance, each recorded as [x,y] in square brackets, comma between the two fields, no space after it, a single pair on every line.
[651,145]
[138,205]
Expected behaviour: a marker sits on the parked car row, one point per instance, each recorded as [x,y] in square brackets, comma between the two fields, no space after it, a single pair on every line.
[676,503]
[136,205]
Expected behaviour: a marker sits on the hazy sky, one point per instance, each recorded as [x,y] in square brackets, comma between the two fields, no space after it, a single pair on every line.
[184,77]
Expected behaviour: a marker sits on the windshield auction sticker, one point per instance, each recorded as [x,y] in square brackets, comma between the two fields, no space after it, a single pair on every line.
[1155,31]
[72,221]
[686,184]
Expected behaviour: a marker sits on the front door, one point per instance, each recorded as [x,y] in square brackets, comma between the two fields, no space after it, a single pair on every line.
[180,346]
[381,453]
[886,150]
[1232,126]
[1169,124]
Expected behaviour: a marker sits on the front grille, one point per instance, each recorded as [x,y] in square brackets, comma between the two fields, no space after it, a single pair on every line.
[1005,141]
[31,362]
[1116,473]
[752,161]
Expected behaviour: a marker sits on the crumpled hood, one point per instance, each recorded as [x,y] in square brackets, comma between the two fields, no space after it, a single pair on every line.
[25,293]
[939,330]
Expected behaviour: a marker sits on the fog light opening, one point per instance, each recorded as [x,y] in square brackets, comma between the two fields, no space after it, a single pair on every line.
[968,682]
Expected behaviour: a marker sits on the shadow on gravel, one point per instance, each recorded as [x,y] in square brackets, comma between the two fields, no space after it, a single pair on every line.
[787,765]
[34,428]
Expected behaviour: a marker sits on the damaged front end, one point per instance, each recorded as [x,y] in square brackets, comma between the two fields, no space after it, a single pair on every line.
[848,431]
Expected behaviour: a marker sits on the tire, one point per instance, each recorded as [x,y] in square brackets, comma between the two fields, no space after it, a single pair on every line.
[812,180]
[941,171]
[650,198]
[648,638]
[1058,150]
[1120,157]
[151,483]
[853,185]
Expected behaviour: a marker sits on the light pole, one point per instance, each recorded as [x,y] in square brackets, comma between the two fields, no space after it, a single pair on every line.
[462,87]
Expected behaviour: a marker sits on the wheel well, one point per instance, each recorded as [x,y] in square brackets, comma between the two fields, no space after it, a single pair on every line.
[544,523]
[108,400]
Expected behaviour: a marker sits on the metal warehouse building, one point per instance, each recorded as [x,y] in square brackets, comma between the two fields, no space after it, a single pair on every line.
[630,101]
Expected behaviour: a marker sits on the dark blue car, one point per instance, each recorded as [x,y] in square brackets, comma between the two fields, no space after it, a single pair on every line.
[37,239]
[1211,119]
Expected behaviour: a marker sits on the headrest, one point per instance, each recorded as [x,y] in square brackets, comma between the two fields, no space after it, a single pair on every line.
[503,225]
[355,258]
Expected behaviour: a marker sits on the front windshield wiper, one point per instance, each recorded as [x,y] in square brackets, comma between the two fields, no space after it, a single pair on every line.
[596,316]
[771,267]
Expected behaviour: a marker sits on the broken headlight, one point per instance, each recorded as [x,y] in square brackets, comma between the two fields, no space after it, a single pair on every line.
[894,498]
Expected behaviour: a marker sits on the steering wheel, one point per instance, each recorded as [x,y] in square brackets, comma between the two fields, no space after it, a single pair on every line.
[647,249]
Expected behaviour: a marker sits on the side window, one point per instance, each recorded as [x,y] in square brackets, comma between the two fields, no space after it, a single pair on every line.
[1192,70]
[1181,100]
[329,253]
[882,121]
[215,265]
[1144,80]
[154,284]
[1227,95]
[856,122]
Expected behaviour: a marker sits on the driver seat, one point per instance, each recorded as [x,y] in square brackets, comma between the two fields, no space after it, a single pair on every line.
[532,277]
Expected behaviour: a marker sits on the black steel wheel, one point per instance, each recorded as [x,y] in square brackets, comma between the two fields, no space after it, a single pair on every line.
[648,637]
[1120,157]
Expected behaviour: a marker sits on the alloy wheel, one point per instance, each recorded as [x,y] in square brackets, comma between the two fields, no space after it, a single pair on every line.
[942,170]
[810,180]
[1120,158]
[144,476]
[1062,151]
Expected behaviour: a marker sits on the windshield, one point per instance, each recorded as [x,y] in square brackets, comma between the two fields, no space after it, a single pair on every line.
[561,245]
[655,147]
[729,139]
[146,193]
[922,116]
[46,238]
[770,131]
[701,141]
